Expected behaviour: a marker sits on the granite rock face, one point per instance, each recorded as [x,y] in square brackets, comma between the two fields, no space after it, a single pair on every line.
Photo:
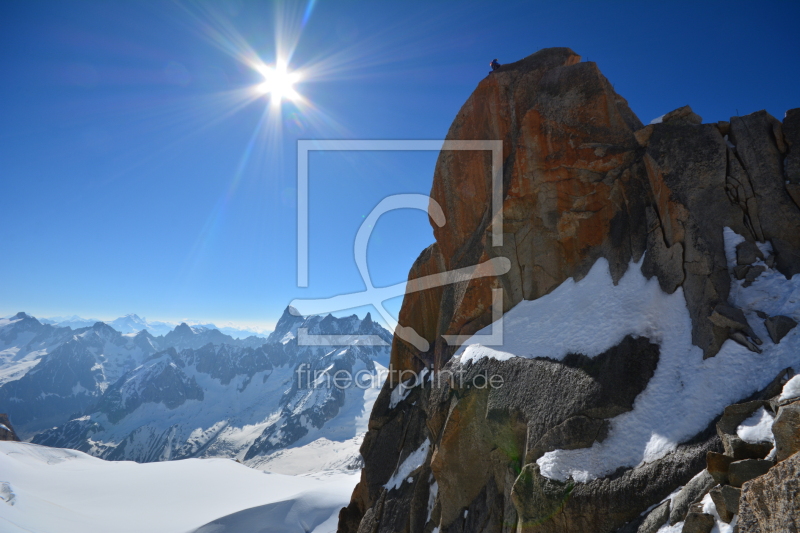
[771,503]
[581,179]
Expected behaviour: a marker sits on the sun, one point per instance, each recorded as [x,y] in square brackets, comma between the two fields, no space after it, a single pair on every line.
[279,83]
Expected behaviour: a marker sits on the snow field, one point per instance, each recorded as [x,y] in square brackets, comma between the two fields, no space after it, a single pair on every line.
[65,491]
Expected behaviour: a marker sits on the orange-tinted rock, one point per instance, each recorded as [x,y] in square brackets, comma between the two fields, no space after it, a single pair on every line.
[582,179]
[420,311]
[573,192]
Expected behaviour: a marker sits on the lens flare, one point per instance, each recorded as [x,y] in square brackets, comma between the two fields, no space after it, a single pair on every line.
[278,83]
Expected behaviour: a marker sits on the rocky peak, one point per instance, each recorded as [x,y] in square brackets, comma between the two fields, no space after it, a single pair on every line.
[183,329]
[104,330]
[694,206]
[144,334]
[287,324]
[573,184]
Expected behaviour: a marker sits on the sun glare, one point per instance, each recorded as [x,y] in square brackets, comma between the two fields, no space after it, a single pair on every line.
[279,83]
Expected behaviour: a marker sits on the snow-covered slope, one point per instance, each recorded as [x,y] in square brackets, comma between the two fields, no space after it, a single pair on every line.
[231,401]
[49,490]
[23,341]
[685,393]
[70,376]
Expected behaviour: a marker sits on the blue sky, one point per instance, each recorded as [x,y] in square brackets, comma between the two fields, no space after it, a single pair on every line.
[140,173]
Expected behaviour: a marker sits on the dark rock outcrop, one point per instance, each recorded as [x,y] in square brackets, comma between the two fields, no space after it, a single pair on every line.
[6,429]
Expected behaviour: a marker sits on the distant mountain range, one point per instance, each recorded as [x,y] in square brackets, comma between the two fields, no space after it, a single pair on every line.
[133,323]
[192,392]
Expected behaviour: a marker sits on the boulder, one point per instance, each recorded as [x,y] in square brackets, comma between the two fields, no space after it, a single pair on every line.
[740,472]
[770,502]
[691,493]
[747,253]
[778,326]
[698,523]
[786,429]
[749,273]
[732,417]
[717,465]
[740,271]
[726,501]
[655,519]
[682,115]
[752,274]
[732,318]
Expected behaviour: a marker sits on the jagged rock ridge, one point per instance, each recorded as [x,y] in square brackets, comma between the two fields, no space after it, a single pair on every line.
[220,400]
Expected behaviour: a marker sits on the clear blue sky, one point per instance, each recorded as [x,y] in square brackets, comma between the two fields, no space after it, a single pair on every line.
[135,176]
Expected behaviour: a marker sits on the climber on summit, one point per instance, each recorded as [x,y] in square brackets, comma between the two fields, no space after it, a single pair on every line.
[494,64]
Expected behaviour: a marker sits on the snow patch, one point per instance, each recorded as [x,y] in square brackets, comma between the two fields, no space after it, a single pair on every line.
[432,492]
[757,428]
[411,463]
[402,390]
[791,389]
